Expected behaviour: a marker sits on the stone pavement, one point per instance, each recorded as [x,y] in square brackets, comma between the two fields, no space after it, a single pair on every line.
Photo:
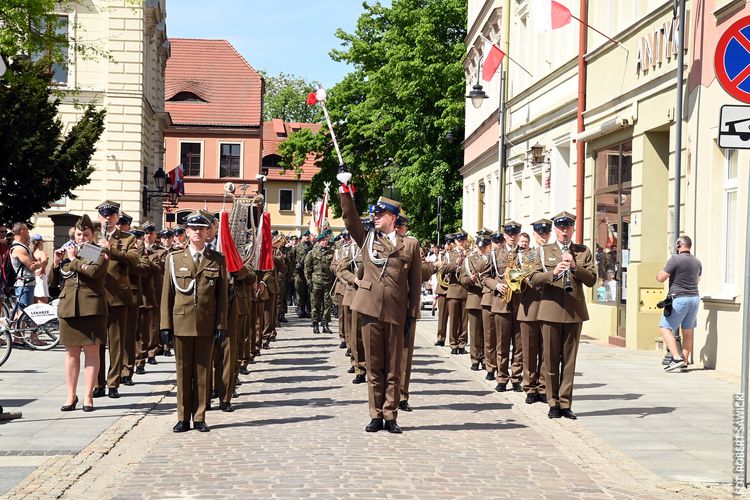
[298,431]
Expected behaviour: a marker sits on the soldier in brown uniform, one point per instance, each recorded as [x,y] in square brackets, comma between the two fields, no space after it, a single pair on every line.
[156,254]
[194,312]
[497,239]
[531,331]
[455,298]
[509,368]
[147,300]
[244,291]
[561,270]
[441,292]
[123,256]
[475,265]
[341,258]
[388,300]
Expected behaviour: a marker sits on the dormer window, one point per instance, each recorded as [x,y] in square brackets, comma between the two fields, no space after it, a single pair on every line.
[271,160]
[185,96]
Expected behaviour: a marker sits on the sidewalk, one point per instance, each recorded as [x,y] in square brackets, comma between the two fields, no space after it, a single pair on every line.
[298,431]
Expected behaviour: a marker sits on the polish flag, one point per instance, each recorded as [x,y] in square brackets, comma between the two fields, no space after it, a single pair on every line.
[264,244]
[225,244]
[550,15]
[494,56]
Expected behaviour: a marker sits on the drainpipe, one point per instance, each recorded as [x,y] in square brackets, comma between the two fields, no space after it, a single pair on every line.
[678,122]
[580,149]
[504,78]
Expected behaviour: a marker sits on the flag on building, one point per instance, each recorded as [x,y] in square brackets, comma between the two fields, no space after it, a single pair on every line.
[177,179]
[225,244]
[492,59]
[550,15]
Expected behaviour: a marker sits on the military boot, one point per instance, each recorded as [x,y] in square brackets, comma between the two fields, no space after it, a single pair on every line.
[315,327]
[325,327]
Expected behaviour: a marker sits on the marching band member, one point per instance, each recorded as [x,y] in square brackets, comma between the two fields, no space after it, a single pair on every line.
[470,276]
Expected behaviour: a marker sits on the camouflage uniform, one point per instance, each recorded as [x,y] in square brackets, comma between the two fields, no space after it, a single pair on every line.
[319,274]
[300,281]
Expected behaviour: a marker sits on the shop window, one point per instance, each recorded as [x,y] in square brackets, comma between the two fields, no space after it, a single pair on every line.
[229,160]
[285,199]
[612,222]
[190,157]
[730,219]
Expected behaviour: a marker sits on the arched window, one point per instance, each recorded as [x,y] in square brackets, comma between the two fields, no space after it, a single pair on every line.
[186,96]
[271,160]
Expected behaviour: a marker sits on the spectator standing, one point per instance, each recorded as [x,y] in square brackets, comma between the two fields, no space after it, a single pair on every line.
[24,264]
[41,287]
[683,270]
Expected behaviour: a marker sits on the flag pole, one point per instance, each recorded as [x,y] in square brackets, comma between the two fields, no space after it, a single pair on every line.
[506,55]
[602,34]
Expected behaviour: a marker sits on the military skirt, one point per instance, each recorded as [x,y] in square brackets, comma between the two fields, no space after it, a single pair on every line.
[83,330]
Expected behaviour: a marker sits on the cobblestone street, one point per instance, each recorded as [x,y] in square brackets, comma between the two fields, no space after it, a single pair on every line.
[298,431]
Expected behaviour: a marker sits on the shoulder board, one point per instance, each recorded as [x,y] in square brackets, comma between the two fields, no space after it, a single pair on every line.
[174,251]
[579,248]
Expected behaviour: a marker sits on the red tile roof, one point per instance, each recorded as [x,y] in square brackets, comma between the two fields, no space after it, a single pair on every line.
[215,72]
[274,133]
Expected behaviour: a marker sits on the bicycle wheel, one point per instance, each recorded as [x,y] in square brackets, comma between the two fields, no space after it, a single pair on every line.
[38,337]
[6,345]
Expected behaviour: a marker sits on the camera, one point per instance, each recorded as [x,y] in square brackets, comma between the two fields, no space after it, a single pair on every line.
[666,304]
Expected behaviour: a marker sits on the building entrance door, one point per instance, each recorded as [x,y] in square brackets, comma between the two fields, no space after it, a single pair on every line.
[612,229]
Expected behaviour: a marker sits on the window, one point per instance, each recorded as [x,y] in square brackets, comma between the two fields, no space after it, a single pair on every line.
[271,160]
[229,161]
[186,96]
[57,52]
[190,157]
[285,199]
[730,218]
[182,217]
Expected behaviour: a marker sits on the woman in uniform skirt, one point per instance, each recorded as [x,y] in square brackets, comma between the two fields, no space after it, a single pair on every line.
[82,311]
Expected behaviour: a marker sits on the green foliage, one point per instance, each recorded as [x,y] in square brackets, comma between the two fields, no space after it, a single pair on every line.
[37,164]
[393,112]
[285,97]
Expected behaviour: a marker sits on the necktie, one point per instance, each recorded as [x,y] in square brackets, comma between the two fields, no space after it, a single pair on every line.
[565,248]
[197,260]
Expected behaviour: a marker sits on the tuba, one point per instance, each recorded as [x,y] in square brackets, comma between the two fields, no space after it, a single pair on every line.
[514,277]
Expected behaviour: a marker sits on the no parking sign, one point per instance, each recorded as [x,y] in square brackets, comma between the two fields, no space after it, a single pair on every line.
[732,60]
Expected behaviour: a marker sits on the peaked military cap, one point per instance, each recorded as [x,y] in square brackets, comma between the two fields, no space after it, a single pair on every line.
[108,207]
[564,219]
[208,215]
[483,241]
[197,219]
[166,233]
[138,232]
[179,230]
[511,227]
[387,205]
[542,225]
[484,232]
[460,236]
[124,219]
[84,222]
[149,227]
[450,238]
[497,237]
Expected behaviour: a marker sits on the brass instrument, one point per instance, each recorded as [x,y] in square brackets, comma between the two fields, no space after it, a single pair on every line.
[441,276]
[515,276]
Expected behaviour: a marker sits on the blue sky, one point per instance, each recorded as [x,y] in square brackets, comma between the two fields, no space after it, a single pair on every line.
[293,36]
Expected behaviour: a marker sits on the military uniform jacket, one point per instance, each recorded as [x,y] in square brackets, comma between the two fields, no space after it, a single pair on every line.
[123,258]
[298,257]
[557,305]
[242,283]
[451,272]
[199,306]
[391,292]
[348,274]
[528,306]
[83,292]
[500,258]
[157,254]
[318,269]
[472,264]
[440,289]
[341,257]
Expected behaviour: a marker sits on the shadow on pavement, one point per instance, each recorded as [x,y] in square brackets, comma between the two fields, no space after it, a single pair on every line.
[605,397]
[15,403]
[475,407]
[432,371]
[317,402]
[440,381]
[588,386]
[296,379]
[290,390]
[273,421]
[417,362]
[640,412]
[456,392]
[468,426]
[299,361]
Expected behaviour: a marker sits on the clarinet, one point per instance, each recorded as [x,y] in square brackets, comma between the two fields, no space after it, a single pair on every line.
[567,284]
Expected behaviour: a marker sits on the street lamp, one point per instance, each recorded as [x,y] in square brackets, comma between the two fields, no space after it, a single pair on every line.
[477,95]
[163,189]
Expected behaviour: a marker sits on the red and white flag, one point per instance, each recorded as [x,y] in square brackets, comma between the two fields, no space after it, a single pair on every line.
[264,244]
[319,215]
[492,59]
[550,15]
[225,244]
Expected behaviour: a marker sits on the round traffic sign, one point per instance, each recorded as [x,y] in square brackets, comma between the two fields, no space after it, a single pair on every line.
[732,60]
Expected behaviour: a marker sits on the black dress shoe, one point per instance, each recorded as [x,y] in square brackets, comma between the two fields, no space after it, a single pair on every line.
[98,392]
[348,353]
[475,367]
[440,343]
[181,426]
[454,351]
[266,345]
[227,407]
[209,407]
[531,398]
[201,427]
[359,379]
[404,406]
[88,408]
[342,345]
[114,393]
[234,394]
[282,319]
[392,427]
[351,370]
[152,360]
[237,382]
[490,376]
[517,387]
[554,412]
[568,413]
[140,370]
[375,425]
[70,407]
[214,394]
[542,398]
[501,387]
[461,350]
[168,353]
[127,381]
[244,370]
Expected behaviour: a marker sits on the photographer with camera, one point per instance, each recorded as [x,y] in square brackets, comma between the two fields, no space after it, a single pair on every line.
[684,272]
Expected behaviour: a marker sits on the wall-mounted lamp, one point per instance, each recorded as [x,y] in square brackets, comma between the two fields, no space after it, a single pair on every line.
[537,154]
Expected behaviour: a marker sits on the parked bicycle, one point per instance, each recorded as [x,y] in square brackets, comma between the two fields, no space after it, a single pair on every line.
[35,327]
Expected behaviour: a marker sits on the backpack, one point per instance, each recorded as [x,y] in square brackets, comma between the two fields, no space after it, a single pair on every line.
[9,274]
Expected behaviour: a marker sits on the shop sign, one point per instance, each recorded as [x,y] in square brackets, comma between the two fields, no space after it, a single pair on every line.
[660,45]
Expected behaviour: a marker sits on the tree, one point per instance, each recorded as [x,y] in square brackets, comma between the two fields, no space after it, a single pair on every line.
[393,112]
[285,98]
[37,164]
